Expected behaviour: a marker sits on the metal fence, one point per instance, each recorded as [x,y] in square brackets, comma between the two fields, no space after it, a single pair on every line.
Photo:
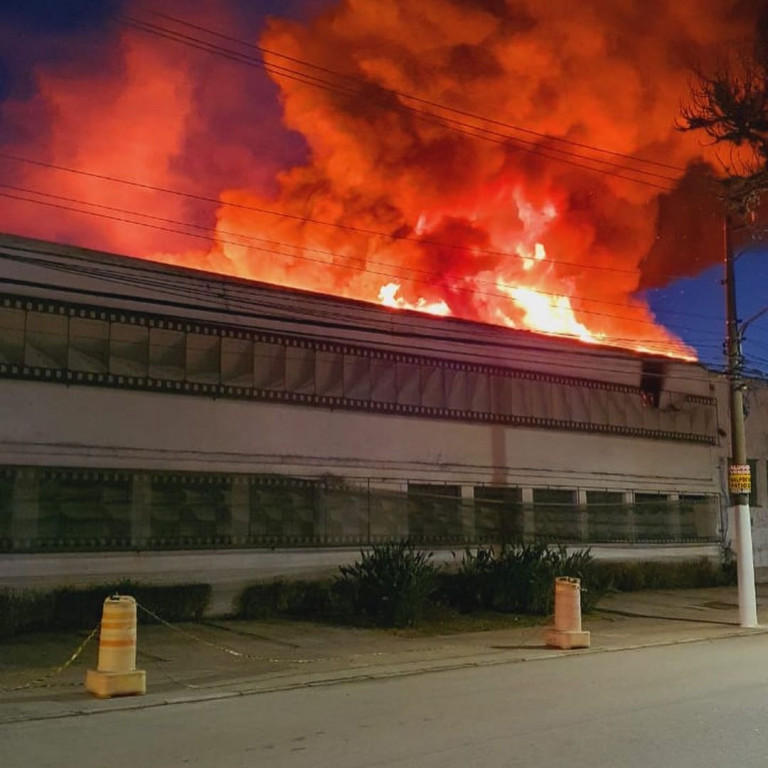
[48,510]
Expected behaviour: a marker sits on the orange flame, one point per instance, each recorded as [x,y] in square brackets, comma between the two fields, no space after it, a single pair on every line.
[389,203]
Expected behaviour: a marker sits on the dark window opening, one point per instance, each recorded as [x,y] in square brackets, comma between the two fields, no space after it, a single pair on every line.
[652,376]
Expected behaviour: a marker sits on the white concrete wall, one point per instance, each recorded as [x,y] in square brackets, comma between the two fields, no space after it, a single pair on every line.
[57,425]
[54,425]
[230,571]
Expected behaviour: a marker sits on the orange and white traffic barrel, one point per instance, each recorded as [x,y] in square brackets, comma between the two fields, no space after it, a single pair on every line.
[116,673]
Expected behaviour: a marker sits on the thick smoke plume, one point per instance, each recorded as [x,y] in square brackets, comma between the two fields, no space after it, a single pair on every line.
[383,193]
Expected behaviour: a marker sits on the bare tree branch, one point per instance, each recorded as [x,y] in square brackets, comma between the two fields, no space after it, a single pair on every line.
[731,108]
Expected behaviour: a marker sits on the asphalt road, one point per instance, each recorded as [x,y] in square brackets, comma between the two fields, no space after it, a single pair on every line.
[697,704]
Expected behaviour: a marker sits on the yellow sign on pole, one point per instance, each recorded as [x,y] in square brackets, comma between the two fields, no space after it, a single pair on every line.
[739,478]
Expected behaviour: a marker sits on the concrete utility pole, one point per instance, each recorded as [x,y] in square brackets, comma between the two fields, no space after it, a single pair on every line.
[739,476]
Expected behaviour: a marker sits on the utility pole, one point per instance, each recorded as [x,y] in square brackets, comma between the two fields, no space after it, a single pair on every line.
[739,476]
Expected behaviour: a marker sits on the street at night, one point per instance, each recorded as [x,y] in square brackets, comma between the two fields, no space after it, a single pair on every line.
[695,705]
[351,350]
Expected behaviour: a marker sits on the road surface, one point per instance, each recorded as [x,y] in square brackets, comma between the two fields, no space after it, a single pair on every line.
[696,705]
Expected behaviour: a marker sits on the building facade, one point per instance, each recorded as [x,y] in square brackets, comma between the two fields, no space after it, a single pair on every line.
[154,412]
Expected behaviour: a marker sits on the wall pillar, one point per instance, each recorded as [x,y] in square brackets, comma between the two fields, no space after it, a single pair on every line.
[141,509]
[26,508]
[628,500]
[239,510]
[468,527]
[529,516]
[674,521]
[583,513]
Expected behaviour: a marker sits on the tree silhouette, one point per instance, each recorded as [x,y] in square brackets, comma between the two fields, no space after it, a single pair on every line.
[731,107]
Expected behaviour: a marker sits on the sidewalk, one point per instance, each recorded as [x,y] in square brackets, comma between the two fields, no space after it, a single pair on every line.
[197,662]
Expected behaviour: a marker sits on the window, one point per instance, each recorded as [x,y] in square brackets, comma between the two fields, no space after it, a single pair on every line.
[357,377]
[84,508]
[7,477]
[556,514]
[329,373]
[88,345]
[479,387]
[46,345]
[237,362]
[652,376]
[502,395]
[190,509]
[408,391]
[300,370]
[699,517]
[456,392]
[268,365]
[383,382]
[607,516]
[11,336]
[538,397]
[652,517]
[203,358]
[434,512]
[498,513]
[282,508]
[129,350]
[432,387]
[167,354]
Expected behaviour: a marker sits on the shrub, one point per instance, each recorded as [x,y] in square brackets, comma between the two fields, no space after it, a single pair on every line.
[686,574]
[24,611]
[301,599]
[520,579]
[80,608]
[390,585]
[469,588]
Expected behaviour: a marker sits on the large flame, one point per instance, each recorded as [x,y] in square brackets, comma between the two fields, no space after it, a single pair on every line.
[366,192]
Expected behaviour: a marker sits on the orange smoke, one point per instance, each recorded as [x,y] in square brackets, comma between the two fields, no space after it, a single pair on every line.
[397,200]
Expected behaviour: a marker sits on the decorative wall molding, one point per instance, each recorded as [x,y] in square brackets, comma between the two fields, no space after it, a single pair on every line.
[216,390]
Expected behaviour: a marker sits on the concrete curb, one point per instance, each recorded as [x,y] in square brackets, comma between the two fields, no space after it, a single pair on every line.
[336,677]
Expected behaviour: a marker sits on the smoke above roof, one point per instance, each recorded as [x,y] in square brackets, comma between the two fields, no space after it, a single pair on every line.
[509,162]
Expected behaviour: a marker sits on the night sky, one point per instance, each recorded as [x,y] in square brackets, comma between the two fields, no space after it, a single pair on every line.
[68,66]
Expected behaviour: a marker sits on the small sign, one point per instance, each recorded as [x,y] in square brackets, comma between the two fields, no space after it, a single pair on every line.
[739,478]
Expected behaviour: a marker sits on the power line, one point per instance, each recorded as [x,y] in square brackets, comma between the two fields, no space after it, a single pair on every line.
[143,278]
[215,237]
[380,233]
[451,123]
[308,220]
[245,309]
[431,274]
[402,94]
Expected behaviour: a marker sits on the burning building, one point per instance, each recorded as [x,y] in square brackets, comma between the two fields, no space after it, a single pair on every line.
[310,184]
[149,410]
[474,160]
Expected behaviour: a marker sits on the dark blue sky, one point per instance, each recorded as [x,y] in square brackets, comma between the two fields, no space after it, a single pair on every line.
[695,309]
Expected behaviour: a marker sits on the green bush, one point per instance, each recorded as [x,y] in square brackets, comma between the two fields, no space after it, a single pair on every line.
[653,574]
[390,585]
[24,611]
[300,599]
[520,579]
[80,608]
[468,589]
